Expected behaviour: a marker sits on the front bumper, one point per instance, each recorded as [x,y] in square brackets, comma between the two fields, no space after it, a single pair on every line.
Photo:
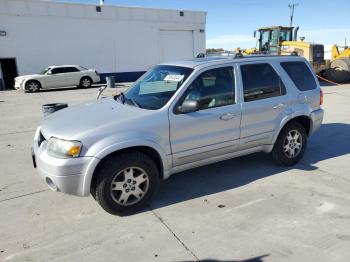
[18,85]
[317,118]
[62,175]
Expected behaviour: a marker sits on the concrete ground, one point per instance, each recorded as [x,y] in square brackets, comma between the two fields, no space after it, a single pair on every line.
[245,209]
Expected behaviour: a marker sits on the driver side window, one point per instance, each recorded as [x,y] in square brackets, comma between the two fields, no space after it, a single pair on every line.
[213,88]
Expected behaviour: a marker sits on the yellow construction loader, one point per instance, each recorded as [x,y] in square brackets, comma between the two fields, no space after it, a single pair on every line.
[282,40]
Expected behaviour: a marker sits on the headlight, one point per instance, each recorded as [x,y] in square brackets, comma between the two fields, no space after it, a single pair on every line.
[63,148]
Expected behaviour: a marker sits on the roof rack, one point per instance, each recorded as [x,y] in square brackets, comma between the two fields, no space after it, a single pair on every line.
[220,54]
[236,55]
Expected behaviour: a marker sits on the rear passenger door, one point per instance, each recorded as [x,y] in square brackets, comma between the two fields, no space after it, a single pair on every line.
[72,76]
[265,103]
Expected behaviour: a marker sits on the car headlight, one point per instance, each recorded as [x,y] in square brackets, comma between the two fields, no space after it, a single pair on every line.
[63,148]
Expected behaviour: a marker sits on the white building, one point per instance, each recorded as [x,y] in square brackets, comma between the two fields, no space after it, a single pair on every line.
[124,41]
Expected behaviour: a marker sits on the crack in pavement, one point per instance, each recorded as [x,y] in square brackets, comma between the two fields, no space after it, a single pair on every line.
[19,132]
[32,193]
[174,234]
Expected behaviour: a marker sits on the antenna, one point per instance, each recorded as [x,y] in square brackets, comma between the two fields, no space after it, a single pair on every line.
[291,8]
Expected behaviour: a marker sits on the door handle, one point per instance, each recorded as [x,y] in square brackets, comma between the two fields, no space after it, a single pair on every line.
[227,116]
[279,106]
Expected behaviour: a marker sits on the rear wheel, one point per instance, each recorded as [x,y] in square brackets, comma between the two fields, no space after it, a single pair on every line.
[85,82]
[290,145]
[32,86]
[126,183]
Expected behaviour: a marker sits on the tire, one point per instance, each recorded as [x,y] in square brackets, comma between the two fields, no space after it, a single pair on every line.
[287,143]
[339,71]
[85,82]
[33,86]
[125,183]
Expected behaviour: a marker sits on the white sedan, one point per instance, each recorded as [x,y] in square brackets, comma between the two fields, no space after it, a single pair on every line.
[58,76]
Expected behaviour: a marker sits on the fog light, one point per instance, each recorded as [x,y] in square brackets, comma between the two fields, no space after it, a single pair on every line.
[51,184]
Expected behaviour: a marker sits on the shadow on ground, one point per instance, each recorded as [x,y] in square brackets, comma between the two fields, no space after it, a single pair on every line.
[332,140]
[255,259]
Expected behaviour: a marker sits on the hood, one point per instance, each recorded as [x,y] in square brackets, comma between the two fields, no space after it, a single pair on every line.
[91,118]
[26,76]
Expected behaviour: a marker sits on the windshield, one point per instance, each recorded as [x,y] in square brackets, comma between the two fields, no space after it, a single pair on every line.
[44,71]
[154,89]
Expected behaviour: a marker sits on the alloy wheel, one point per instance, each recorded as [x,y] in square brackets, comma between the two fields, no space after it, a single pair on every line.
[33,86]
[86,82]
[292,144]
[129,186]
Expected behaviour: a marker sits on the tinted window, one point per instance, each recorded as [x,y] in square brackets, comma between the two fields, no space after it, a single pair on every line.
[260,81]
[300,74]
[70,69]
[213,88]
[57,71]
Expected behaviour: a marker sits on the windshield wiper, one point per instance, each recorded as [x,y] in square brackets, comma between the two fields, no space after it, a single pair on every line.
[123,99]
[121,96]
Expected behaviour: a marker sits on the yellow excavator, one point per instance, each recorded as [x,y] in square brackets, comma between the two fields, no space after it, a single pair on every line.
[282,40]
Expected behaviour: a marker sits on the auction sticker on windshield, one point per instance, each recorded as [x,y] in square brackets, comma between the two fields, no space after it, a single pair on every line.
[174,78]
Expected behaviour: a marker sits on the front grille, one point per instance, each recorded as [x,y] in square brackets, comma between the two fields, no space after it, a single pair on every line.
[41,138]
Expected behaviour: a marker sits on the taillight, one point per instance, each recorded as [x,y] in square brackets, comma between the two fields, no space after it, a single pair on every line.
[321,97]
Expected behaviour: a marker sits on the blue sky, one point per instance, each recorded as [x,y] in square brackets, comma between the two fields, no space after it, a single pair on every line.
[230,23]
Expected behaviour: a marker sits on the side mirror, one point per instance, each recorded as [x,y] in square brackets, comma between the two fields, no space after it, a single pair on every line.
[188,106]
[49,73]
[255,34]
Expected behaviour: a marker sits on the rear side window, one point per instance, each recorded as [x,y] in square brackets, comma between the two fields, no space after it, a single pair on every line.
[70,69]
[260,81]
[300,74]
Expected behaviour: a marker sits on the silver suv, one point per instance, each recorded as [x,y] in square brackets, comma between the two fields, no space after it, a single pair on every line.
[179,116]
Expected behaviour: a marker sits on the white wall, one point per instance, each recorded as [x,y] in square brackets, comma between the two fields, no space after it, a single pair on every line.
[119,39]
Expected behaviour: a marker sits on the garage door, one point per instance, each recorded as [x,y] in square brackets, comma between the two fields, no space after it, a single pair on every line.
[176,45]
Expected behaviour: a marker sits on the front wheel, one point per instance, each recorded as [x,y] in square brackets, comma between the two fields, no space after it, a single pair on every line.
[125,183]
[290,145]
[32,86]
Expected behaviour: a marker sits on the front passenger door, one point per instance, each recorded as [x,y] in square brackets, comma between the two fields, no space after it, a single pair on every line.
[214,128]
[55,78]
[72,75]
